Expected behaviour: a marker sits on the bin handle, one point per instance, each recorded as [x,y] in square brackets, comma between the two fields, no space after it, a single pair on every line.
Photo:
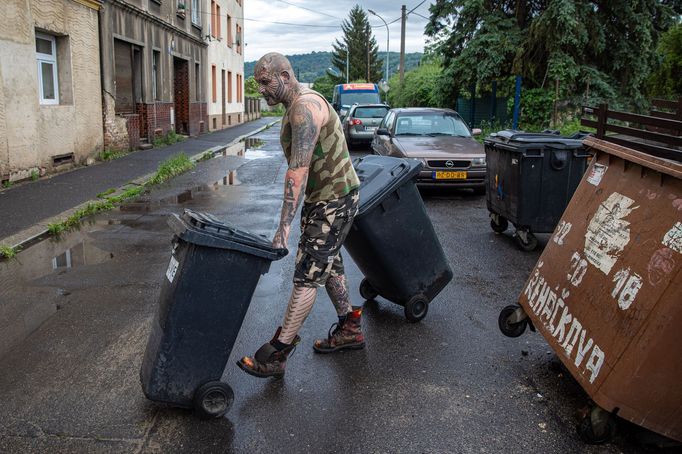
[558,159]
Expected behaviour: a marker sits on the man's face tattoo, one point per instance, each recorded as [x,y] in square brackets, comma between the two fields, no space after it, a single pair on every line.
[273,74]
[271,86]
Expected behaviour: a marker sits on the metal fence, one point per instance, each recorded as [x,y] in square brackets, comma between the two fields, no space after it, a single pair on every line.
[483,110]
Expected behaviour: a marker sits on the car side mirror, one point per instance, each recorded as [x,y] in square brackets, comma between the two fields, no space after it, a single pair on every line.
[383,132]
[476,132]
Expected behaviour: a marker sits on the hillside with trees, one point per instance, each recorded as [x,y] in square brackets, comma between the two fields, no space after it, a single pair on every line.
[312,66]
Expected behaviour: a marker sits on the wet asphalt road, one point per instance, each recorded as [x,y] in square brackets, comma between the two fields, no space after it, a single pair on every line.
[451,383]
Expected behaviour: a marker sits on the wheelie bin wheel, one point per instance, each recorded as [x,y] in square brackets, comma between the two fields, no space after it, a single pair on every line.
[526,240]
[508,326]
[500,225]
[416,308]
[597,427]
[213,399]
[367,291]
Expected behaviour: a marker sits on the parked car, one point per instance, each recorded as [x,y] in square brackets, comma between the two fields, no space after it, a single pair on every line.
[361,122]
[440,139]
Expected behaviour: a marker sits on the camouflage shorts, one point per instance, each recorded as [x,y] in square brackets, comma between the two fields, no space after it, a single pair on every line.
[324,226]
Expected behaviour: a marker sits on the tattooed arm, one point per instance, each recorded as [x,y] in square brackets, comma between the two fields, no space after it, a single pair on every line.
[306,117]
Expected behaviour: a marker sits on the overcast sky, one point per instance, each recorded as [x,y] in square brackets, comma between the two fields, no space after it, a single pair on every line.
[262,37]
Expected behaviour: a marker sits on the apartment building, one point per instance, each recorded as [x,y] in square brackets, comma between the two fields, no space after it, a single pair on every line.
[50,98]
[154,58]
[224,20]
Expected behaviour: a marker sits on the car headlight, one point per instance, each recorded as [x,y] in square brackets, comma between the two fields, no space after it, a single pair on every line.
[478,162]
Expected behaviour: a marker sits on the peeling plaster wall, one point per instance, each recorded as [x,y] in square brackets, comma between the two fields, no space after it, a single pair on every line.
[34,133]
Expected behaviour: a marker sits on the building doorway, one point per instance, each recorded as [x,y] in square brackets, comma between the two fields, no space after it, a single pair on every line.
[181,95]
[128,76]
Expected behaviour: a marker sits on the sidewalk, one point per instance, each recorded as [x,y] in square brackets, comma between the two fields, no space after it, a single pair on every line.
[28,204]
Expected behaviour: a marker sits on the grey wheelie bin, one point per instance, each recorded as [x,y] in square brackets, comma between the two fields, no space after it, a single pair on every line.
[212,274]
[392,239]
[531,177]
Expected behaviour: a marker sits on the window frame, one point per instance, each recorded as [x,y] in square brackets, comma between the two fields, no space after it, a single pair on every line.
[196,13]
[48,59]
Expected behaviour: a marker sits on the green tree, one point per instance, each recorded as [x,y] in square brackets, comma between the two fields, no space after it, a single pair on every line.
[666,80]
[358,39]
[251,87]
[325,86]
[419,87]
[608,44]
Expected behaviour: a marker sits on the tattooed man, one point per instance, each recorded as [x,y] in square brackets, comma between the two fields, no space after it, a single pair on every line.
[321,175]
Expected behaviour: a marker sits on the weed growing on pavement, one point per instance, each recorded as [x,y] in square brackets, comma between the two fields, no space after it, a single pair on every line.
[169,139]
[7,252]
[170,168]
[35,175]
[7,184]
[103,194]
[206,156]
[110,155]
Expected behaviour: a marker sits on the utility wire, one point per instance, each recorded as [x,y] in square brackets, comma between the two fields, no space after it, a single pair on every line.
[307,9]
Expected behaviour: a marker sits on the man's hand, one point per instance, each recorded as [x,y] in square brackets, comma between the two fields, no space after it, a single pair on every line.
[280,240]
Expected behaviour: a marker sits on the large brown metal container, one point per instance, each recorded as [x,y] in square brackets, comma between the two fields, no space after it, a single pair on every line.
[606,292]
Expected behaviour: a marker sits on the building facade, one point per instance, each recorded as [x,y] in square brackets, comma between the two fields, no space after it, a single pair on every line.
[224,32]
[153,65]
[50,98]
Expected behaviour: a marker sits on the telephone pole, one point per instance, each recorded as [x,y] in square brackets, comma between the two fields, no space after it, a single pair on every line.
[402,44]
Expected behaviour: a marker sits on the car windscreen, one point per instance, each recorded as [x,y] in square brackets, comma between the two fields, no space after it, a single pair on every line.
[431,124]
[348,99]
[370,112]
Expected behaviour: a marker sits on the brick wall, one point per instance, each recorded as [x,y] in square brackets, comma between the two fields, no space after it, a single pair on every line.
[154,119]
[198,118]
[133,126]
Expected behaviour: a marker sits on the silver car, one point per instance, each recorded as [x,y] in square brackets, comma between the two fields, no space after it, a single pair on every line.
[361,121]
[440,139]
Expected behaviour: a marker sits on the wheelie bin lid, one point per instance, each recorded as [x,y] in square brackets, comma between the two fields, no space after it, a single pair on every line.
[380,176]
[204,229]
[513,137]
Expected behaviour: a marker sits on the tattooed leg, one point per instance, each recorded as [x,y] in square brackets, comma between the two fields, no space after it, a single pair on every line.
[337,289]
[300,304]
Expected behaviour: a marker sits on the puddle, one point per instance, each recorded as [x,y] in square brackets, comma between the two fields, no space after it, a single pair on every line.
[30,288]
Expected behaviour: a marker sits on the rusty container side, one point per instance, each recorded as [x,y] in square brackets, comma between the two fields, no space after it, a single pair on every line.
[606,292]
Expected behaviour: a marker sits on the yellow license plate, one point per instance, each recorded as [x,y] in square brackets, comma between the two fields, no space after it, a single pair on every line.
[449,175]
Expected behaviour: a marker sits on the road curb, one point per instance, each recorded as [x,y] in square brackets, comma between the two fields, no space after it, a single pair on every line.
[39,230]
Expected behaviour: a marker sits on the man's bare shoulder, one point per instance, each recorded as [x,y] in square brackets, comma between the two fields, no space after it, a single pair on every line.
[307,105]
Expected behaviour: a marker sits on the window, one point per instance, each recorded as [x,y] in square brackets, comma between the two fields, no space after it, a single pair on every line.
[213,18]
[239,88]
[196,14]
[218,33]
[238,41]
[229,86]
[229,31]
[46,55]
[156,75]
[214,92]
[197,81]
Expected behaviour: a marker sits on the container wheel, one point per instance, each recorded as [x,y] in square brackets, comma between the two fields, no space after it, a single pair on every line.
[213,399]
[367,291]
[500,225]
[526,240]
[416,308]
[598,427]
[506,323]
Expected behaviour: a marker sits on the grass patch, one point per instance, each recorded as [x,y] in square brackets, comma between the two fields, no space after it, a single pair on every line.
[170,168]
[206,156]
[103,194]
[7,184]
[7,252]
[110,155]
[35,175]
[169,139]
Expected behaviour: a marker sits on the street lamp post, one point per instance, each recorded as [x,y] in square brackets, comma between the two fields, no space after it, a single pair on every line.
[387,39]
[345,46]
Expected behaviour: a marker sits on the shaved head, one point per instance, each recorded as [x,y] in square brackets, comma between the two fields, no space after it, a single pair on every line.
[272,63]
[276,80]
